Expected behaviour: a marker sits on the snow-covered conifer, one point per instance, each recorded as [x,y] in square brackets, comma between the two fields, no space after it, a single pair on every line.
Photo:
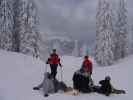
[30,35]
[104,54]
[17,27]
[121,41]
[6,24]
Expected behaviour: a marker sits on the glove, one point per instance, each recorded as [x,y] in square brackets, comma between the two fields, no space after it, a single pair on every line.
[60,65]
[47,62]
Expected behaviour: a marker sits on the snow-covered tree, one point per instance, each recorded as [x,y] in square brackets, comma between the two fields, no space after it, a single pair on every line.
[17,27]
[132,40]
[104,51]
[121,41]
[6,24]
[29,38]
[25,31]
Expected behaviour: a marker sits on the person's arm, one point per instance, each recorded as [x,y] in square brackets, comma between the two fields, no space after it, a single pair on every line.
[82,66]
[60,64]
[101,82]
[91,68]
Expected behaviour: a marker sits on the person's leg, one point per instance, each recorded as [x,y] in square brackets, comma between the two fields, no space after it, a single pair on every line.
[54,70]
[116,91]
[38,87]
[45,89]
[95,88]
[107,93]
[99,90]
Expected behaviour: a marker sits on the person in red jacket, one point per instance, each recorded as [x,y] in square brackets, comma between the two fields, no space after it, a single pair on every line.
[54,61]
[87,65]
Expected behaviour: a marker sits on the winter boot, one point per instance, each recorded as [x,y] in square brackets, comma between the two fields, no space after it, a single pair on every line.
[36,88]
[46,95]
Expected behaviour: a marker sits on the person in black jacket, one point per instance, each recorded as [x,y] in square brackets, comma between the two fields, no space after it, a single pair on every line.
[105,87]
[81,82]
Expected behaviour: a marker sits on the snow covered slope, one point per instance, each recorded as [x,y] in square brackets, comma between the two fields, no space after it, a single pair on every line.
[19,73]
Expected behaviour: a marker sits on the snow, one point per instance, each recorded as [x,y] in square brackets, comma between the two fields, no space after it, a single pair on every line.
[19,73]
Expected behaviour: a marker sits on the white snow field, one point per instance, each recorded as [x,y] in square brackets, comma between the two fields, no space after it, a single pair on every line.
[19,73]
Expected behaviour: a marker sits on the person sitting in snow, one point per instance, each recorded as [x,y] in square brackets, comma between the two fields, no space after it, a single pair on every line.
[50,85]
[47,85]
[54,61]
[107,88]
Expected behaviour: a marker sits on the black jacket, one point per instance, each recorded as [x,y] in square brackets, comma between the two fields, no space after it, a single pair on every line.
[80,82]
[106,87]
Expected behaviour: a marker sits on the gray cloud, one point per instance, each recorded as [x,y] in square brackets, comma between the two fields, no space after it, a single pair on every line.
[75,17]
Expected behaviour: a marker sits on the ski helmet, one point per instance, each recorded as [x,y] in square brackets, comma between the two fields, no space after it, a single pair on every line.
[107,78]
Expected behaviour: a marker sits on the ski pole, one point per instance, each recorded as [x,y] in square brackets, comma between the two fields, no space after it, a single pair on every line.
[45,68]
[61,74]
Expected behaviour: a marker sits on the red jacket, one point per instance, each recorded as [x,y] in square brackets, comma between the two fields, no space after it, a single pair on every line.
[87,66]
[54,59]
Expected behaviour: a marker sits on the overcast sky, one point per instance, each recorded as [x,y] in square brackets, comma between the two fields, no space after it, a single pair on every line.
[73,17]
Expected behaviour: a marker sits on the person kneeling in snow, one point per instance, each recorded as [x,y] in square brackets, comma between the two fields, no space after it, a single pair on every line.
[106,87]
[81,82]
[50,85]
[87,65]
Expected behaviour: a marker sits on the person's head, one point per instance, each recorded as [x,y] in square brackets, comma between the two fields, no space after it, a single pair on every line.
[108,78]
[54,50]
[86,57]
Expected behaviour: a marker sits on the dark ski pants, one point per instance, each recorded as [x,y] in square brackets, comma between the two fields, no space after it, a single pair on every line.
[53,70]
[101,91]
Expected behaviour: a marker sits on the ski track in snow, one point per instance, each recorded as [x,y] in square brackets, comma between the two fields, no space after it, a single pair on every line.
[19,73]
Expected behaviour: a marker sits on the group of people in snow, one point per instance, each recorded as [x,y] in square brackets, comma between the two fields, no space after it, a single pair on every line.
[82,81]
